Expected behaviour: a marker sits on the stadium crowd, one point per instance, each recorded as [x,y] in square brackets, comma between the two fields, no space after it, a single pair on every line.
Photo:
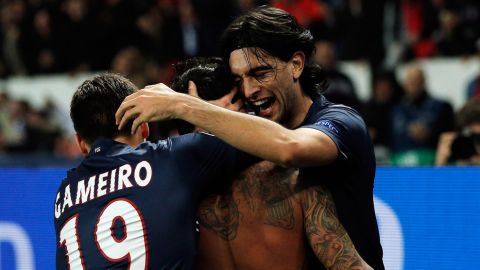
[141,40]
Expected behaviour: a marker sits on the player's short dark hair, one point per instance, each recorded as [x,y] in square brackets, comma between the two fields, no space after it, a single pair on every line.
[275,32]
[211,76]
[94,104]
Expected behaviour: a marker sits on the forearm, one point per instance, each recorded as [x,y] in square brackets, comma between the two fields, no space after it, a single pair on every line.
[326,235]
[254,135]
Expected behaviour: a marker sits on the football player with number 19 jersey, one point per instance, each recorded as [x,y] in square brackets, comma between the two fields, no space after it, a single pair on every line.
[132,205]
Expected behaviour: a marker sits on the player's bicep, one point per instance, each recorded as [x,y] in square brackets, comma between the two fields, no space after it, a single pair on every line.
[313,148]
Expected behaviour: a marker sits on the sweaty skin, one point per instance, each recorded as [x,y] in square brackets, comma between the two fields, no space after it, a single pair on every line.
[264,220]
[244,232]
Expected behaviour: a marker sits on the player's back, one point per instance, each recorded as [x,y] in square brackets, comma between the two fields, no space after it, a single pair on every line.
[126,208]
[256,224]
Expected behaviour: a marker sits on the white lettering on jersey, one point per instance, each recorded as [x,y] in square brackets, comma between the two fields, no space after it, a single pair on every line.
[101,184]
[148,173]
[67,198]
[123,174]
[89,193]
[142,174]
[58,206]
[112,180]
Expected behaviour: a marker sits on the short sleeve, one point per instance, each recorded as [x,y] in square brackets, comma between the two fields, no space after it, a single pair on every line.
[345,127]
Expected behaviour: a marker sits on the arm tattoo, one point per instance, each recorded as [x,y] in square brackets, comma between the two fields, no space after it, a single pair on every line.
[326,235]
[220,215]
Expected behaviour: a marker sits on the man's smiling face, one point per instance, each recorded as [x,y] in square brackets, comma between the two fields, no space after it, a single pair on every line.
[266,82]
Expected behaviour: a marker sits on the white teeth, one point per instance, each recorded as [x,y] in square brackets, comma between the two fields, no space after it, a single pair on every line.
[260,102]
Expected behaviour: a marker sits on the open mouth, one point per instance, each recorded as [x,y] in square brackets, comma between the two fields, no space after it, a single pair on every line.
[263,106]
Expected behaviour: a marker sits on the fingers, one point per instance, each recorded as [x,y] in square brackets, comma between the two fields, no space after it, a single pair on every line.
[129,113]
[132,96]
[136,123]
[125,106]
[192,89]
[121,112]
[133,112]
[127,102]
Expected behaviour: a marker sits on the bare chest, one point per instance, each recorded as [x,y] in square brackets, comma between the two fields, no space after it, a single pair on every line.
[260,198]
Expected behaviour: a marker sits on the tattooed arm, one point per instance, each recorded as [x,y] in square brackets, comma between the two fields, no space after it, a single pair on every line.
[326,235]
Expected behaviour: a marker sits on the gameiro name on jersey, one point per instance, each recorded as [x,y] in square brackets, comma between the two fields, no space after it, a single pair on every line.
[125,208]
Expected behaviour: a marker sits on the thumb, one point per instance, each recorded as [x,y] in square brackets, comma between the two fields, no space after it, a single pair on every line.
[192,89]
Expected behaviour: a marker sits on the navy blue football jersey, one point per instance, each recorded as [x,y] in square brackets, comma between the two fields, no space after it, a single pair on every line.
[126,208]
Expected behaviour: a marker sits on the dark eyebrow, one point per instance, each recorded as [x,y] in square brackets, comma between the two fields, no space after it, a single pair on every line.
[254,70]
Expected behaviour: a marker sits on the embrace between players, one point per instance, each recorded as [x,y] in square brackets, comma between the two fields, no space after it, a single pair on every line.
[294,192]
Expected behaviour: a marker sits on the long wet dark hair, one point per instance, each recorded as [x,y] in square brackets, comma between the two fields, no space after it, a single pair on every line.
[274,32]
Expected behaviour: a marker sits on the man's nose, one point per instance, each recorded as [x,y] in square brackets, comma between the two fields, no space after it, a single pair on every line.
[250,87]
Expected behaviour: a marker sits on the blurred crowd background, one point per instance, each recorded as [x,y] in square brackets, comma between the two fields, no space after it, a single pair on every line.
[142,39]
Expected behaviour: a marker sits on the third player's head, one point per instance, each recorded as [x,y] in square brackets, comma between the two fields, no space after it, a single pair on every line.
[211,77]
[269,54]
[93,108]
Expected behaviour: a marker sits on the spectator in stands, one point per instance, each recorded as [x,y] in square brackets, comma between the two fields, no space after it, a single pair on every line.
[4,104]
[212,18]
[246,5]
[463,146]
[307,12]
[78,32]
[11,18]
[116,27]
[340,89]
[40,132]
[386,93]
[24,129]
[473,88]
[439,27]
[450,37]
[130,63]
[14,125]
[358,29]
[419,20]
[418,120]
[39,44]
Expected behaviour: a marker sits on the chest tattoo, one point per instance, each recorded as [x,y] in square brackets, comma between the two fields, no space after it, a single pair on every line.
[263,191]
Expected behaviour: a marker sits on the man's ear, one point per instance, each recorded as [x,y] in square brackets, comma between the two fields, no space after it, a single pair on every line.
[298,63]
[145,130]
[84,148]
